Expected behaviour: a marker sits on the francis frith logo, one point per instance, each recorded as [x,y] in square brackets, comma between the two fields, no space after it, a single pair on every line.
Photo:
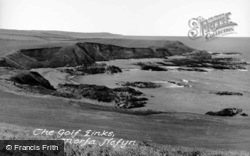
[211,28]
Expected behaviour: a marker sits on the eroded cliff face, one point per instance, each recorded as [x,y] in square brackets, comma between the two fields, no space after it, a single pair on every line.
[48,57]
[32,78]
[85,54]
[108,52]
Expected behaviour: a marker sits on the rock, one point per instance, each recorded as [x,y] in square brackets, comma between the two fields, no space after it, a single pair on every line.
[130,102]
[192,69]
[153,68]
[226,53]
[177,47]
[215,53]
[165,63]
[199,55]
[123,97]
[226,112]
[92,69]
[32,78]
[68,70]
[3,63]
[140,84]
[112,70]
[227,93]
[150,66]
[206,60]
[244,114]
[127,90]
[183,84]
[232,53]
[95,92]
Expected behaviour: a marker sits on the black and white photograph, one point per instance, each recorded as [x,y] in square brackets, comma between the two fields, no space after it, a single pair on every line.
[124,78]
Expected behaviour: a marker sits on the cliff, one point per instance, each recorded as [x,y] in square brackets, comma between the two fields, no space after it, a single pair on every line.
[85,54]
[32,79]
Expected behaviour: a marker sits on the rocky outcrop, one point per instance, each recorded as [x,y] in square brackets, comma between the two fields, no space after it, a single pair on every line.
[166,63]
[85,54]
[113,70]
[123,97]
[181,84]
[226,53]
[192,69]
[140,84]
[3,63]
[95,92]
[32,78]
[109,52]
[244,114]
[49,57]
[232,53]
[150,66]
[227,112]
[92,69]
[199,55]
[177,48]
[227,93]
[205,60]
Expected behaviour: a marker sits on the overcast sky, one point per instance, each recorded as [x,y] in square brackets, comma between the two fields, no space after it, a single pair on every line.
[127,17]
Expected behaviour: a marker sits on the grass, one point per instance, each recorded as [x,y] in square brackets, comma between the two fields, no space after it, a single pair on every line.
[12,132]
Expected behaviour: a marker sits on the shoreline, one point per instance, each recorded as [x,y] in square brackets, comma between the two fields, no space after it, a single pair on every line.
[62,77]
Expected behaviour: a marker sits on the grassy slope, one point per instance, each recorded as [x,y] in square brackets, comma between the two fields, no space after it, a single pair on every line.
[176,129]
[8,131]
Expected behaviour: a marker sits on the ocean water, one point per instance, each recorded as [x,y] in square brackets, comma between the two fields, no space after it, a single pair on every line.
[194,99]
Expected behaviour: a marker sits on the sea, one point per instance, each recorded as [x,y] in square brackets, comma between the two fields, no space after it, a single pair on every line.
[199,97]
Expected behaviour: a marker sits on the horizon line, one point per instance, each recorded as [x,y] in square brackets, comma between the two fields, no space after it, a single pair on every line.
[114,33]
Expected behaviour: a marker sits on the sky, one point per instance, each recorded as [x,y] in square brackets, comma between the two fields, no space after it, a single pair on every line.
[127,17]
